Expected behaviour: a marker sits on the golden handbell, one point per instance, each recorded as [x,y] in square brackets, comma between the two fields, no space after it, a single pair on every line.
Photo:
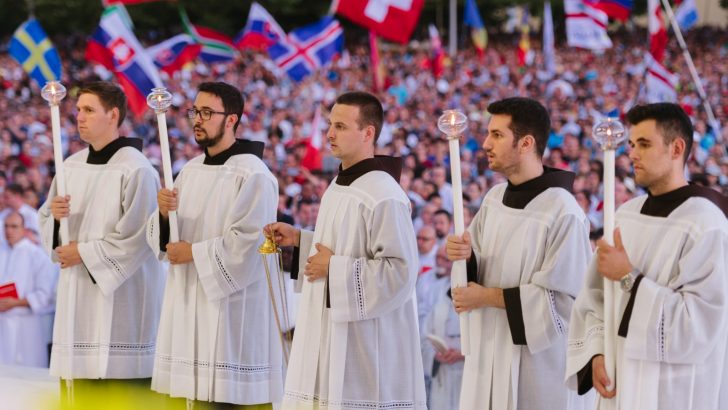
[267,249]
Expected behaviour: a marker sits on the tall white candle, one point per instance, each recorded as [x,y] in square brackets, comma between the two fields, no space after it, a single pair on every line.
[54,92]
[453,123]
[159,100]
[609,134]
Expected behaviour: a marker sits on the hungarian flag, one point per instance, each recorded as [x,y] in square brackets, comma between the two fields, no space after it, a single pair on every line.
[216,47]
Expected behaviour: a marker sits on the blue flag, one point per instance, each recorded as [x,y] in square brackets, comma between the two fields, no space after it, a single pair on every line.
[308,48]
[31,48]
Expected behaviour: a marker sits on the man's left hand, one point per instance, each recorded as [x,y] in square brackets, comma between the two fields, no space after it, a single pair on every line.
[612,261]
[8,303]
[68,255]
[179,253]
[317,266]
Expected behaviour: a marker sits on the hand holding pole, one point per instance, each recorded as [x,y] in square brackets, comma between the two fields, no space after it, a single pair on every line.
[54,92]
[452,123]
[609,134]
[159,100]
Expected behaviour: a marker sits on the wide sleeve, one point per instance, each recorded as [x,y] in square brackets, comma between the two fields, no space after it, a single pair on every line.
[586,330]
[548,297]
[680,323]
[477,237]
[155,227]
[300,256]
[47,232]
[112,259]
[230,262]
[383,280]
[42,298]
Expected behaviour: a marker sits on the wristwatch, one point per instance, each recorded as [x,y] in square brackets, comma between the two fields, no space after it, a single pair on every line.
[627,281]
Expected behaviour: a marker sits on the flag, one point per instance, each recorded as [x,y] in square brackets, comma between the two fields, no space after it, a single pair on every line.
[172,54]
[32,49]
[525,55]
[115,47]
[549,51]
[616,9]
[260,31]
[686,15]
[477,28]
[657,30]
[586,27]
[312,158]
[216,47]
[376,63]
[515,16]
[393,20]
[438,54]
[661,84]
[308,48]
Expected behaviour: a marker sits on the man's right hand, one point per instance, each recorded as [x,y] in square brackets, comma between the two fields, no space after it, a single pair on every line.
[600,380]
[283,234]
[61,207]
[458,247]
[167,201]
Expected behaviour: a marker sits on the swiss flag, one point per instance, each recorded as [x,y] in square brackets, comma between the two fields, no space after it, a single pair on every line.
[391,19]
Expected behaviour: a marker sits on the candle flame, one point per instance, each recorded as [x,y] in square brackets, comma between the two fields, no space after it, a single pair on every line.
[452,118]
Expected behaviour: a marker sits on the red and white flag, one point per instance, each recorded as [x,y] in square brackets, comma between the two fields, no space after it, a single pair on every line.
[661,84]
[658,32]
[586,27]
[393,20]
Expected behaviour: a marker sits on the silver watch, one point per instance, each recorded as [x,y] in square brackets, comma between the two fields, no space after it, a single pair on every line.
[627,281]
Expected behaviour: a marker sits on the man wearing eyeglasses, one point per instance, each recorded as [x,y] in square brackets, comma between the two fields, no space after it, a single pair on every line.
[217,339]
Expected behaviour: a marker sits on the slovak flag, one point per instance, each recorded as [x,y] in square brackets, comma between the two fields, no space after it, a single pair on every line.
[115,47]
[393,20]
[661,84]
[172,54]
[261,30]
[616,9]
[586,27]
[308,48]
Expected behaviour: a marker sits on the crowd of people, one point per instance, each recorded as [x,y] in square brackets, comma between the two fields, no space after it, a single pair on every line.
[291,118]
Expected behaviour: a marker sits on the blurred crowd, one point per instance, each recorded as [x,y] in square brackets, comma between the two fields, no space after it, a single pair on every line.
[586,88]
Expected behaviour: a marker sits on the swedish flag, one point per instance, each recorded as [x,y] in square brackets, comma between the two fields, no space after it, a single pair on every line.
[31,48]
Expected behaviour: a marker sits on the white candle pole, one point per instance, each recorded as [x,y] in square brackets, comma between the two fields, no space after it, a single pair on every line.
[159,100]
[609,134]
[453,123]
[54,92]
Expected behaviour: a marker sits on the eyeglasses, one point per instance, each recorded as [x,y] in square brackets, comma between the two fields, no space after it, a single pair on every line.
[205,114]
[424,238]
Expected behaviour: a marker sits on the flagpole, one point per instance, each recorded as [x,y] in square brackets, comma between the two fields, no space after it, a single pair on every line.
[453,37]
[693,71]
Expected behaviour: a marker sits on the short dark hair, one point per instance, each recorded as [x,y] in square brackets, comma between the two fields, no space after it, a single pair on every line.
[110,95]
[14,189]
[443,212]
[671,120]
[232,99]
[528,117]
[370,109]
